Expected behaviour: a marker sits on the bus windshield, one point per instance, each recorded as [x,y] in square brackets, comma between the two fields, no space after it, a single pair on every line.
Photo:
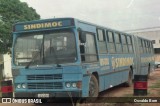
[45,48]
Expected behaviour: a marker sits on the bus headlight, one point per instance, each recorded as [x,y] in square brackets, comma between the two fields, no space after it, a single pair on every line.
[23,85]
[68,85]
[18,85]
[74,85]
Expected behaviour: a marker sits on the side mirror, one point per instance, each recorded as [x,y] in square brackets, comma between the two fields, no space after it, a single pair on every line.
[82,37]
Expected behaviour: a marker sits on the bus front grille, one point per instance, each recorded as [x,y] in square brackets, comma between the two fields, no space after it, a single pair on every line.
[44,77]
[51,85]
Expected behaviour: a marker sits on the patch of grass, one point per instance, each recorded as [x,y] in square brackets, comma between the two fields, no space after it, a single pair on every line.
[156,85]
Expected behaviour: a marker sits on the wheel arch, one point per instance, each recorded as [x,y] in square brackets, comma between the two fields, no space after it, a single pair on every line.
[96,75]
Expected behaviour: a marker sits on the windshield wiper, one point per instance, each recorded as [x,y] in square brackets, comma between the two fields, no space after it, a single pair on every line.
[27,66]
[40,51]
[55,56]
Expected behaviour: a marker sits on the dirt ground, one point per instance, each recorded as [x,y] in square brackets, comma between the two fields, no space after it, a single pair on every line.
[121,91]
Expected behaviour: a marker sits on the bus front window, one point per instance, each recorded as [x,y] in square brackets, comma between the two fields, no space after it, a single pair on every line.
[45,48]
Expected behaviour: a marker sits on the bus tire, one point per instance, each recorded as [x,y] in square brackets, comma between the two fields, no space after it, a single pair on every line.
[130,79]
[93,87]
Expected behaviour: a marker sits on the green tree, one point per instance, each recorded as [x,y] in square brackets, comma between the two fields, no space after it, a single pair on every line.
[12,11]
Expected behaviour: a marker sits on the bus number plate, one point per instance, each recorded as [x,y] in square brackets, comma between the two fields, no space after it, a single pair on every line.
[43,95]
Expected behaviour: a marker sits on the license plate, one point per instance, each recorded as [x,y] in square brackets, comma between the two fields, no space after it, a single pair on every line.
[43,95]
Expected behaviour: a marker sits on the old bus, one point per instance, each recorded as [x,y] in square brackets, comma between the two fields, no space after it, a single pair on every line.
[64,57]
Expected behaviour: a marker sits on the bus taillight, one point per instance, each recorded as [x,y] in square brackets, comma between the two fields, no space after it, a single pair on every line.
[6,89]
[140,85]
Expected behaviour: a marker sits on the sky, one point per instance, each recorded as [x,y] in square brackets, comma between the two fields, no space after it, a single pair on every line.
[121,15]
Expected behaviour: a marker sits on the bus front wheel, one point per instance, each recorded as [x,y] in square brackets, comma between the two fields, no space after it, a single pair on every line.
[93,87]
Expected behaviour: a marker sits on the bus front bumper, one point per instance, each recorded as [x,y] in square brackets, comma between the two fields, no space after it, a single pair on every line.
[47,94]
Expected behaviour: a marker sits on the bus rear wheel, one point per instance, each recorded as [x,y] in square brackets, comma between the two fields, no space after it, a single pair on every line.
[130,80]
[93,87]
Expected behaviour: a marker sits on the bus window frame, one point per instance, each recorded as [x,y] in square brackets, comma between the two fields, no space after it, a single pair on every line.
[102,42]
[81,45]
[118,42]
[110,42]
[124,43]
[129,43]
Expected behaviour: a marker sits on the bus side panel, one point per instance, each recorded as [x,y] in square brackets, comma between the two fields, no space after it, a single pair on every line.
[85,86]
[115,78]
[103,71]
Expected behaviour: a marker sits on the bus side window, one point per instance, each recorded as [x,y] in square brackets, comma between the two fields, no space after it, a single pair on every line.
[146,46]
[140,45]
[129,41]
[148,51]
[88,49]
[124,44]
[154,41]
[118,43]
[143,45]
[151,47]
[101,41]
[111,45]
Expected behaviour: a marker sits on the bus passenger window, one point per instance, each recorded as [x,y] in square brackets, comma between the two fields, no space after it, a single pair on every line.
[146,46]
[118,43]
[100,35]
[150,47]
[88,50]
[101,41]
[130,48]
[154,41]
[143,45]
[124,44]
[148,51]
[111,45]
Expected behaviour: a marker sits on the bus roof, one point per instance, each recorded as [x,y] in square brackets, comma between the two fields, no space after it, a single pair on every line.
[57,23]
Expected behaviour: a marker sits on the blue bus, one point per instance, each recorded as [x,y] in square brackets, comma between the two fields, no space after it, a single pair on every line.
[67,57]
